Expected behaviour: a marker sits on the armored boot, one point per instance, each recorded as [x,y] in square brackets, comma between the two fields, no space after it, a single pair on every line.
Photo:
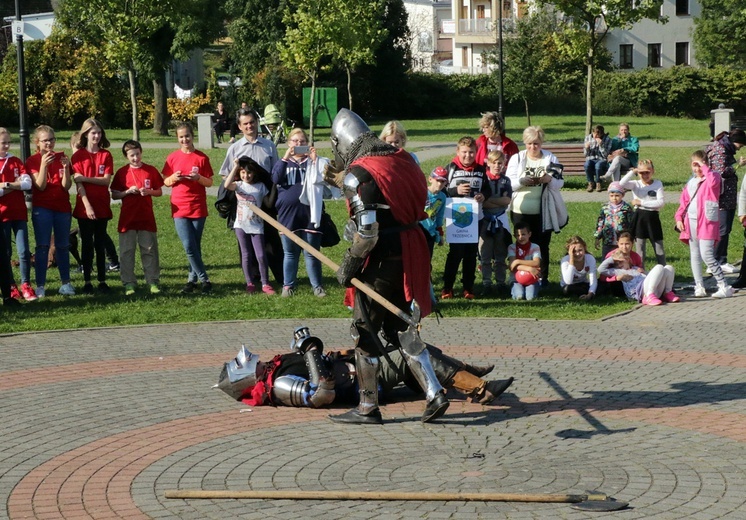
[437,354]
[479,390]
[423,372]
[367,411]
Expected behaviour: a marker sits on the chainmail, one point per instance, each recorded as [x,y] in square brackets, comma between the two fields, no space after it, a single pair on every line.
[368,144]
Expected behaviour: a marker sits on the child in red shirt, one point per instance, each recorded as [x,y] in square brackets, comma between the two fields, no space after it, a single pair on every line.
[134,185]
[14,215]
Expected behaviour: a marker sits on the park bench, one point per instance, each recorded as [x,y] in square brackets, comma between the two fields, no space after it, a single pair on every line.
[738,122]
[570,156]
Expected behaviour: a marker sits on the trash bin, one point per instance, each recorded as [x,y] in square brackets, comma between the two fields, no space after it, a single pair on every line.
[325,107]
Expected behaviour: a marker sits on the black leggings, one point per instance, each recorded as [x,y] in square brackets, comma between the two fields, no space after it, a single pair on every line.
[93,238]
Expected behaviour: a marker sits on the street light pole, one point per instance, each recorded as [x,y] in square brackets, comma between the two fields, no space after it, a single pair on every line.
[500,70]
[23,132]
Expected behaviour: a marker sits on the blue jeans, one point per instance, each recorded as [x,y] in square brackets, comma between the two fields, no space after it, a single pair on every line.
[595,169]
[190,234]
[530,292]
[19,229]
[45,221]
[291,258]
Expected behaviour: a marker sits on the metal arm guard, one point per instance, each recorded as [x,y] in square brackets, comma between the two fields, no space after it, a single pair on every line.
[322,380]
[363,243]
[295,391]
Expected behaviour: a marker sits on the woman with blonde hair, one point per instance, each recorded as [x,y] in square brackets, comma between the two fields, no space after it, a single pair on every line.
[300,183]
[50,181]
[532,172]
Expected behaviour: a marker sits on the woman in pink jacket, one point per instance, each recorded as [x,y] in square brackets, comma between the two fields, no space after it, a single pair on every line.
[697,219]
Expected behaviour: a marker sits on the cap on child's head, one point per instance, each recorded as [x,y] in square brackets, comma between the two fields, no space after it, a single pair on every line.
[439,174]
[616,187]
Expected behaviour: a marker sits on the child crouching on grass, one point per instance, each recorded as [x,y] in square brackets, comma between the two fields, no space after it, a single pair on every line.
[652,289]
[135,185]
[578,269]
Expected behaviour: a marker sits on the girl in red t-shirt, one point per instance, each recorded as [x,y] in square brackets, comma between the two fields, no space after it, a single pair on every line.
[51,180]
[14,215]
[188,172]
[93,167]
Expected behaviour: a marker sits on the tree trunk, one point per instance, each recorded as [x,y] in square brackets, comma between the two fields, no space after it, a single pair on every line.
[589,92]
[349,85]
[312,107]
[160,119]
[528,116]
[133,100]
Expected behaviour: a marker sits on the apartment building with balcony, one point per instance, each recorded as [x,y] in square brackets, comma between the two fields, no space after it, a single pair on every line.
[647,44]
[475,24]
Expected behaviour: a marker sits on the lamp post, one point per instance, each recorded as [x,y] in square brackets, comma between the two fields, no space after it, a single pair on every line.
[500,58]
[23,132]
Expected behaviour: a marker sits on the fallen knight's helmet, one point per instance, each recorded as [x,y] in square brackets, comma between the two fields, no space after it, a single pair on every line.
[239,374]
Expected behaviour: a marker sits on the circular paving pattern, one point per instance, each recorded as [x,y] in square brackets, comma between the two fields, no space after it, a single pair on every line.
[658,426]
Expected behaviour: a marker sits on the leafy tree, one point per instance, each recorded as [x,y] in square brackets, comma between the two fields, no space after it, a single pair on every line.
[143,37]
[66,82]
[359,33]
[379,85]
[536,65]
[720,33]
[256,27]
[307,45]
[594,19]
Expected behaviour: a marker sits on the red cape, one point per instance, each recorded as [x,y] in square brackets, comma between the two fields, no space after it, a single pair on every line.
[403,186]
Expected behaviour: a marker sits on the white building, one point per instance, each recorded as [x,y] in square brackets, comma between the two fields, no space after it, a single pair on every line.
[650,44]
[432,42]
[647,44]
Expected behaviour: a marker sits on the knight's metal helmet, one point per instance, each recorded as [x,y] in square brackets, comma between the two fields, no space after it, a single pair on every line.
[346,128]
[239,373]
[302,340]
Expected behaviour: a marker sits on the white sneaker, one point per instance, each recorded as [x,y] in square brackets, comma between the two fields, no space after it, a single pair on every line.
[724,291]
[40,293]
[699,291]
[729,268]
[67,290]
[708,271]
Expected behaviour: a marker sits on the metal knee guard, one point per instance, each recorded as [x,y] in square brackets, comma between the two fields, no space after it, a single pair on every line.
[367,380]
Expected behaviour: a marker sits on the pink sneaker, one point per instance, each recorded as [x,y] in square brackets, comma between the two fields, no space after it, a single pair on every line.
[651,299]
[28,292]
[250,288]
[14,292]
[670,297]
[267,289]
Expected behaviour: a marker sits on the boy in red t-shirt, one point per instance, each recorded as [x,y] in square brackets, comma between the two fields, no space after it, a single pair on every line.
[134,185]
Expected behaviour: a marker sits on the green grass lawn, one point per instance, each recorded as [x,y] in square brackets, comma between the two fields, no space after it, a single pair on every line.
[229,301]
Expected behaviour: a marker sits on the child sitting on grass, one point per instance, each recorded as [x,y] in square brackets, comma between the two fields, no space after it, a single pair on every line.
[652,289]
[524,258]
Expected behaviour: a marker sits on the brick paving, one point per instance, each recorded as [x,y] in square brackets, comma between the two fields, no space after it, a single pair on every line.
[645,406]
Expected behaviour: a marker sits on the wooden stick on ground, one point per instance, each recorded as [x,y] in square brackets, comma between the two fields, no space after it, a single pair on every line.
[381,495]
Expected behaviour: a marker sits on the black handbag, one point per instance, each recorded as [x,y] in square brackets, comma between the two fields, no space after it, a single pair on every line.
[329,234]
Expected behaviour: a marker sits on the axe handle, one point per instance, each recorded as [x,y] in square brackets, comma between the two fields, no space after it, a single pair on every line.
[330,264]
[372,495]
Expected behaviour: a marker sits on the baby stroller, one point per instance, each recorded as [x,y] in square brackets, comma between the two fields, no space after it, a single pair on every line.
[273,126]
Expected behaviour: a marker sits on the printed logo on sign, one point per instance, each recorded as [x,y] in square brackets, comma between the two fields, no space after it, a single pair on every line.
[195,169]
[462,215]
[101,169]
[146,183]
[16,173]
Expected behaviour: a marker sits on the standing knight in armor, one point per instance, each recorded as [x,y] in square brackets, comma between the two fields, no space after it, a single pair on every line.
[310,377]
[386,194]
